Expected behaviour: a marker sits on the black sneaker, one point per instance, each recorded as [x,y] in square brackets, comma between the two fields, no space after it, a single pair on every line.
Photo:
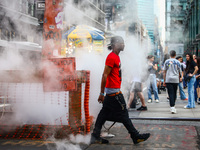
[141,138]
[98,140]
[142,108]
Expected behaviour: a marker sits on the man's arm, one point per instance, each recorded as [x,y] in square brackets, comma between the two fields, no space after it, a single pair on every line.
[180,73]
[164,76]
[181,76]
[106,72]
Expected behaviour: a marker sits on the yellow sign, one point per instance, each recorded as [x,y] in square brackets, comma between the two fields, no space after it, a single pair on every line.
[98,45]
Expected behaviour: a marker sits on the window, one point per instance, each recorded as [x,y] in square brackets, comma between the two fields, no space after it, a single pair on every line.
[180,7]
[172,8]
[180,50]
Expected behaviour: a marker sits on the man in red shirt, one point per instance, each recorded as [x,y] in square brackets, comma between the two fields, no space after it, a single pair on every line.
[114,105]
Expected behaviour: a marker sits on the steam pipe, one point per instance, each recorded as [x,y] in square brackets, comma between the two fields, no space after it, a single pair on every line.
[86,101]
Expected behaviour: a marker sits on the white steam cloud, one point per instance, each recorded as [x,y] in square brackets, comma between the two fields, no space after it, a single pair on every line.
[36,107]
[133,63]
[72,144]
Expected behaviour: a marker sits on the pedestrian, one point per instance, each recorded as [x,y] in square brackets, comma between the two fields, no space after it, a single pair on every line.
[166,56]
[197,82]
[172,75]
[194,58]
[180,85]
[183,67]
[152,67]
[191,70]
[136,88]
[114,105]
[159,77]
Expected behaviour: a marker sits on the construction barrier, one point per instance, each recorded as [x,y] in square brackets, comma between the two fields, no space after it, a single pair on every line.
[27,111]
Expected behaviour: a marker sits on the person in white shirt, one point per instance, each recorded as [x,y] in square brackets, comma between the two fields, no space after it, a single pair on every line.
[172,75]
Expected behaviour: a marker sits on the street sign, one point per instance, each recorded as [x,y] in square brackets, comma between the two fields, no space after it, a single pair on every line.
[40,5]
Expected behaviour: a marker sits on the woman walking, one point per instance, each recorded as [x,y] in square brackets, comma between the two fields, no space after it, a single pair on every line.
[197,83]
[180,85]
[191,70]
[152,67]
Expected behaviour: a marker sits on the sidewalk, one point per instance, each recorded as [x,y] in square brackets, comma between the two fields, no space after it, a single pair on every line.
[162,109]
[165,137]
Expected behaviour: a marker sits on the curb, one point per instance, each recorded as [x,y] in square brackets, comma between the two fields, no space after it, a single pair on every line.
[168,119]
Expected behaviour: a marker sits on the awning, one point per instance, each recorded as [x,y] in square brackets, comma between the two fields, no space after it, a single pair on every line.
[84,31]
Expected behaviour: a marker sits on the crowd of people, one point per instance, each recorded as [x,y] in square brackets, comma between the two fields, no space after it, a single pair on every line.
[171,75]
[187,75]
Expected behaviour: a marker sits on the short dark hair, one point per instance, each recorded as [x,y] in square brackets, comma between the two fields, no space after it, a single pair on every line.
[178,57]
[172,53]
[114,40]
[150,56]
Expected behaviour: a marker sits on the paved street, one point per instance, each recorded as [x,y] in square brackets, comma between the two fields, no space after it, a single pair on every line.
[174,134]
[165,134]
[162,137]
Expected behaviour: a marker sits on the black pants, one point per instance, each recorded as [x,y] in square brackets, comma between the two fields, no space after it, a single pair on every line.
[172,90]
[114,109]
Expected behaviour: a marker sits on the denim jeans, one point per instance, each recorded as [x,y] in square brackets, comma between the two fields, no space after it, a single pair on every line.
[152,82]
[191,101]
[196,84]
[182,93]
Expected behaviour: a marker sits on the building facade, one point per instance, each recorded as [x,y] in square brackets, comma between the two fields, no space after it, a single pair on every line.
[192,27]
[146,15]
[175,13]
[122,17]
[21,22]
[16,20]
[18,31]
[90,12]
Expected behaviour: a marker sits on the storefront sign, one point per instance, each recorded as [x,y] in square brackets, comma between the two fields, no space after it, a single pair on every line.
[98,45]
[40,5]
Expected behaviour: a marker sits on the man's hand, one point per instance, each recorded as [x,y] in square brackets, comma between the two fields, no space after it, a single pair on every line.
[164,84]
[101,99]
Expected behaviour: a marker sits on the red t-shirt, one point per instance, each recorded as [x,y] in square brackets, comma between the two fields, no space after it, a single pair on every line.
[114,78]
